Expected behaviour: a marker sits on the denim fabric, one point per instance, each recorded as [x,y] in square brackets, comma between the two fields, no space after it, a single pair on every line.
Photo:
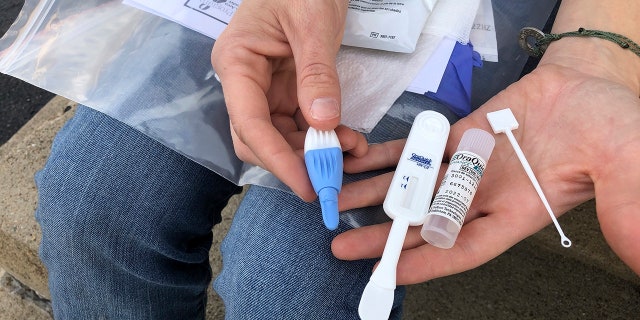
[277,260]
[277,263]
[126,224]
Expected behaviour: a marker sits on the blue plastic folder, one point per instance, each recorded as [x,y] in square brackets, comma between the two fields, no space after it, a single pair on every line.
[455,87]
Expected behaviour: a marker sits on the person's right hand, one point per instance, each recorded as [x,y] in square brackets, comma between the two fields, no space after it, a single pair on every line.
[579,131]
[276,63]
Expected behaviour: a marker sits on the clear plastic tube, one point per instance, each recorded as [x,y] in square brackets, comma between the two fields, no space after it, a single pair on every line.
[451,203]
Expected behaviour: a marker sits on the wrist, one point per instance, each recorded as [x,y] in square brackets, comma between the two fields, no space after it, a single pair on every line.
[596,57]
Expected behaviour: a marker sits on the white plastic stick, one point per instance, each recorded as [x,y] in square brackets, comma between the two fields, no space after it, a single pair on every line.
[504,121]
[407,203]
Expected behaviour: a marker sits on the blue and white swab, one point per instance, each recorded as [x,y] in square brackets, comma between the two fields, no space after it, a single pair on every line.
[323,158]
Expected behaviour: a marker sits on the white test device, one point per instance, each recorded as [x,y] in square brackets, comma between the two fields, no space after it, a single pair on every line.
[407,203]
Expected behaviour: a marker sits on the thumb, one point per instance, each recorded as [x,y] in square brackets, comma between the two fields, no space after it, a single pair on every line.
[318,86]
[618,210]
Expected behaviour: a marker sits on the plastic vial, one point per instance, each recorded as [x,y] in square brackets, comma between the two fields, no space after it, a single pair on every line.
[459,185]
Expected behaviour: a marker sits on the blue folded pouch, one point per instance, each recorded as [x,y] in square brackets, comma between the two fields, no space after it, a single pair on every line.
[455,87]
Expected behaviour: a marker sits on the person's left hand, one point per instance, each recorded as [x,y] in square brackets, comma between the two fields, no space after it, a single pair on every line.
[276,63]
[580,134]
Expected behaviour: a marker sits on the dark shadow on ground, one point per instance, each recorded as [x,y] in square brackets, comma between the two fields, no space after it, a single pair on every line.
[19,101]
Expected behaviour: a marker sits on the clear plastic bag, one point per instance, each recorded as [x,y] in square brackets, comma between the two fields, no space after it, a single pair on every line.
[510,16]
[143,70]
[156,76]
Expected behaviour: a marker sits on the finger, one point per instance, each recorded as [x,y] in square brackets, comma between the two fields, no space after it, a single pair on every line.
[251,120]
[352,141]
[245,73]
[349,245]
[298,117]
[379,156]
[478,242]
[364,193]
[296,140]
[242,151]
[315,46]
[284,123]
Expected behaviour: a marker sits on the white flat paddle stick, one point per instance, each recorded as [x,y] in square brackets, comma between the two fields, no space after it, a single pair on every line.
[503,121]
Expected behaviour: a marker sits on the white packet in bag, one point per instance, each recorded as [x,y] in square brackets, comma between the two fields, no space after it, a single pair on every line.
[385,25]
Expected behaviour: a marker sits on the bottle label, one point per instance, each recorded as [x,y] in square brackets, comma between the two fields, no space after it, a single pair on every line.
[458,186]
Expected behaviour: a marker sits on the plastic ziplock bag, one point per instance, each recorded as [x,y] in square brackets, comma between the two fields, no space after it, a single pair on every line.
[145,71]
[156,76]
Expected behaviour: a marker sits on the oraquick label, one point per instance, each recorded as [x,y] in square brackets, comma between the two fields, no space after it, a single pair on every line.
[458,186]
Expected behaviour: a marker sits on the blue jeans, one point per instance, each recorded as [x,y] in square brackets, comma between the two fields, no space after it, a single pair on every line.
[127,227]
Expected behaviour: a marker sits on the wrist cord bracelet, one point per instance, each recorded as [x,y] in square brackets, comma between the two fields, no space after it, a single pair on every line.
[535,42]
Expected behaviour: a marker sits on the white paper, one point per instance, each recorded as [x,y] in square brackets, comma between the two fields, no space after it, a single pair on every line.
[430,76]
[483,33]
[209,17]
[483,39]
[372,80]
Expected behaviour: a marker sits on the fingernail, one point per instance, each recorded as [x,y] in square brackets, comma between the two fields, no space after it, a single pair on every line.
[324,109]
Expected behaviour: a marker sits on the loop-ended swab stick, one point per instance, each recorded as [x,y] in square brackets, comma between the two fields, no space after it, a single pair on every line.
[503,121]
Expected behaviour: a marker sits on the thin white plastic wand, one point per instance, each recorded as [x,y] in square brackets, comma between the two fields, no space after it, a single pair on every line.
[385,273]
[527,168]
[377,297]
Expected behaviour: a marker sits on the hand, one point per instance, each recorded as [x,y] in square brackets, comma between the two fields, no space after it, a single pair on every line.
[580,134]
[276,63]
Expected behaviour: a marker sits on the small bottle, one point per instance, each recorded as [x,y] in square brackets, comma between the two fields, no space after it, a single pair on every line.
[459,185]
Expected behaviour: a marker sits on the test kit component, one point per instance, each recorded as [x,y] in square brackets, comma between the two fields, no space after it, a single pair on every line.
[503,121]
[407,202]
[324,162]
[458,187]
